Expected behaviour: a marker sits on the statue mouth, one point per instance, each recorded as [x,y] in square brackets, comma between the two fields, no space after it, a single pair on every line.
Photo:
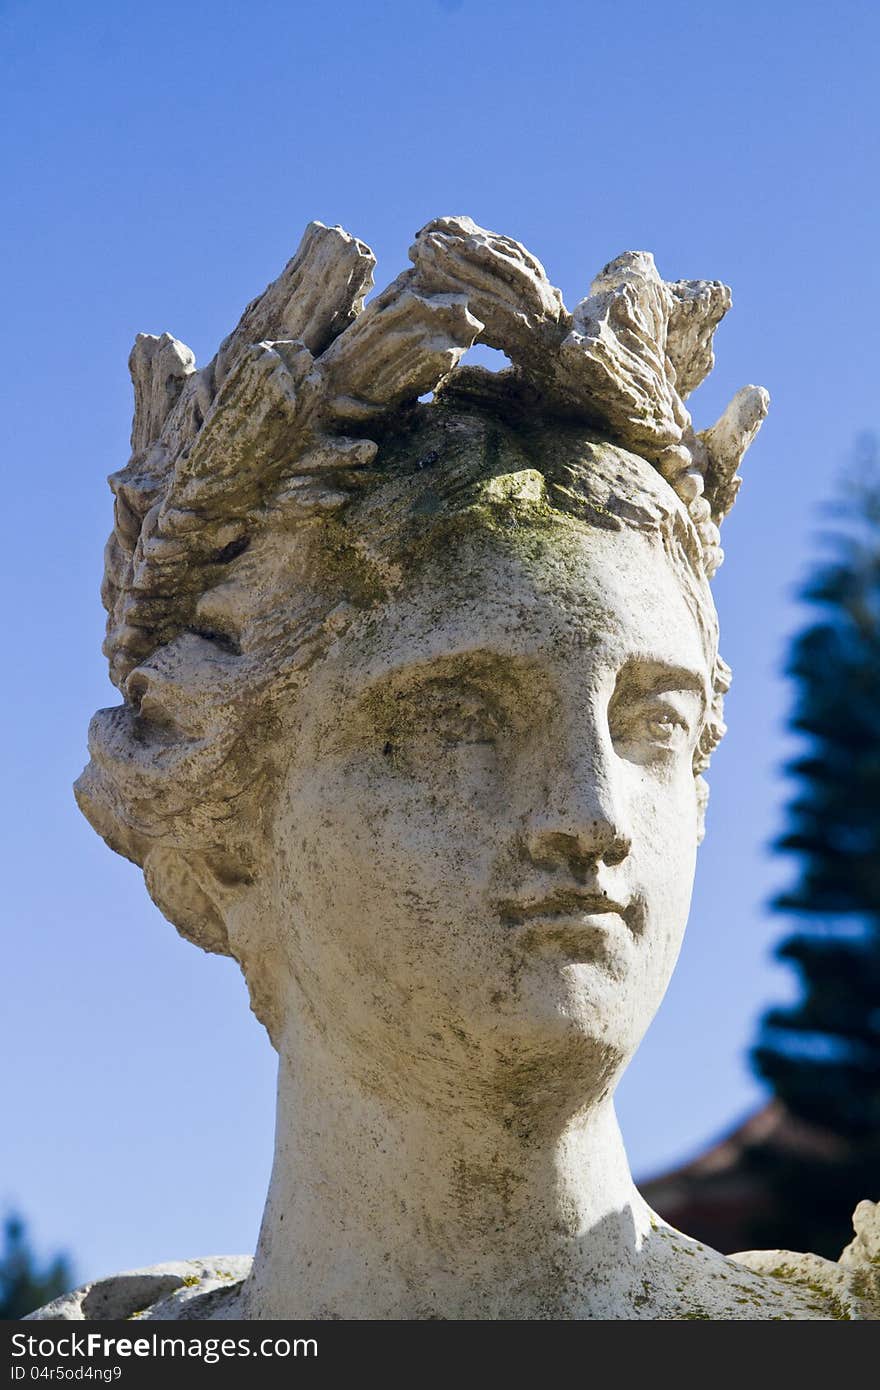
[579,925]
[565,903]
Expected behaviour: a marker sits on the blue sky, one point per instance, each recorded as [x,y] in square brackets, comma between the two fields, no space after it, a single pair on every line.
[159,165]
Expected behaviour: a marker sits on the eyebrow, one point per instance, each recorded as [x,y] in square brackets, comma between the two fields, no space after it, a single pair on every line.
[664,675]
[653,672]
[475,661]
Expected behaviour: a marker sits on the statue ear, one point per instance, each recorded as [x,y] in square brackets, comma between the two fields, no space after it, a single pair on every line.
[191,894]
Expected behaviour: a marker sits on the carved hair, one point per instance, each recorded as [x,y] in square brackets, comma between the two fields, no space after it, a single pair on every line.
[212,624]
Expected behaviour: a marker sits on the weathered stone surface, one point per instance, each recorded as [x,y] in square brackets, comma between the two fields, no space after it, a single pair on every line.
[417,702]
[850,1287]
[781,1285]
[180,1289]
[726,441]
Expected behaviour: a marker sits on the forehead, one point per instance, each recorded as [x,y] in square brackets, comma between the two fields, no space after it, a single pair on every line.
[544,597]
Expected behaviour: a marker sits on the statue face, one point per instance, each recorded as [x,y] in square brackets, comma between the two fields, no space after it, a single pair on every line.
[485,845]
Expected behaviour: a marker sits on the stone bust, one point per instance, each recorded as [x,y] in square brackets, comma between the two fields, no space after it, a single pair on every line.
[418,695]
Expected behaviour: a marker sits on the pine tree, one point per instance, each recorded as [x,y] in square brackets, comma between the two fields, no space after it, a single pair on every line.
[822,1055]
[790,1175]
[23,1286]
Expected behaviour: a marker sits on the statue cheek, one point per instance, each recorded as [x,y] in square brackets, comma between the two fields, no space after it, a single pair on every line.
[663,813]
[663,859]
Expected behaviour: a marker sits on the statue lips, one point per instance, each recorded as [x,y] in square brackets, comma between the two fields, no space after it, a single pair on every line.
[583,926]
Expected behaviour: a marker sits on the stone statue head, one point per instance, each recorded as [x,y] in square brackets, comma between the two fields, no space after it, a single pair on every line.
[420,678]
[419,689]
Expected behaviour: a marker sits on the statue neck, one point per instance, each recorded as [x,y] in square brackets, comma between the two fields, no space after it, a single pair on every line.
[384,1207]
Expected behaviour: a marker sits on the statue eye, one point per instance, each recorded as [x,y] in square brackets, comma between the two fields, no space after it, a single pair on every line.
[650,727]
[445,717]
[460,719]
[662,726]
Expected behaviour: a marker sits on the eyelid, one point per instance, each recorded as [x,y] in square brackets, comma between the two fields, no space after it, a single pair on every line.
[668,694]
[668,697]
[679,700]
[491,683]
[681,710]
[464,702]
[647,677]
[444,689]
[663,709]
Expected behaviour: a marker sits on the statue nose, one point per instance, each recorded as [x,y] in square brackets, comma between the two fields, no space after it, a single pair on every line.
[593,843]
[581,818]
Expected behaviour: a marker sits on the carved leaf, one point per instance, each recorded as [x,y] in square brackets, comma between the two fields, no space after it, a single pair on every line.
[401,346]
[506,287]
[159,367]
[696,309]
[726,443]
[613,363]
[317,295]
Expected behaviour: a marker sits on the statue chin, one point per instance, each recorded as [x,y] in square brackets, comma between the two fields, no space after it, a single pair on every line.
[418,699]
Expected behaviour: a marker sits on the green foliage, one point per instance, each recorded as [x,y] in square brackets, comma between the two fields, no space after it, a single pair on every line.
[822,1055]
[23,1286]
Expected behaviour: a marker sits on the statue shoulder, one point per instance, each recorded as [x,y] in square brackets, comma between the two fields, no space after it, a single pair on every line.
[753,1284]
[847,1289]
[184,1290]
